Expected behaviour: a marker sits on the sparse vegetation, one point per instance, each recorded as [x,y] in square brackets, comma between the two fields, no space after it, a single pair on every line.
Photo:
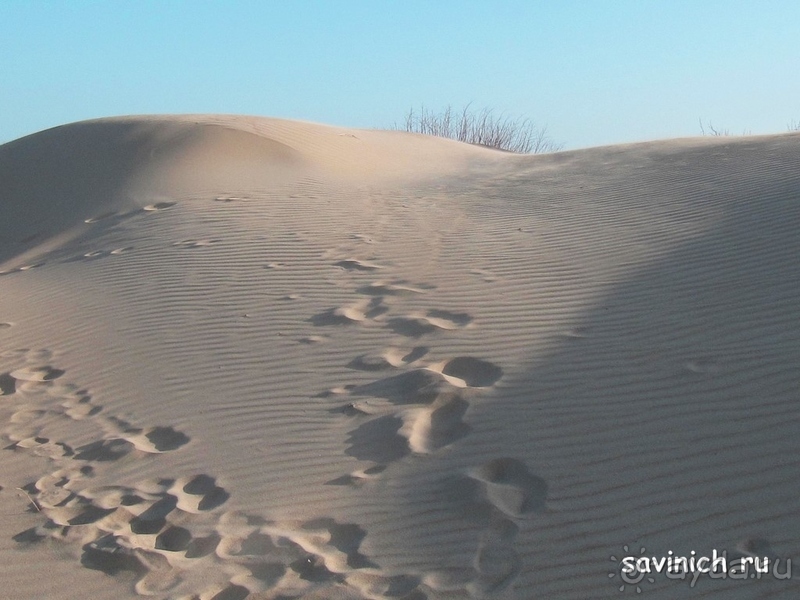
[709,129]
[482,128]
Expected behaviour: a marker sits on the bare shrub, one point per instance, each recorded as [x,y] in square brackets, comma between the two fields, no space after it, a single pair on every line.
[713,130]
[482,128]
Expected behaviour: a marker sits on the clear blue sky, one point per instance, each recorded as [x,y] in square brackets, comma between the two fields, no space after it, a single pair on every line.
[594,72]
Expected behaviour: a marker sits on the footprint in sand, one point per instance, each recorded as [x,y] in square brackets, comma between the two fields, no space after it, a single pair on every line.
[418,386]
[755,547]
[168,537]
[472,372]
[312,339]
[103,450]
[116,217]
[29,267]
[357,312]
[27,416]
[344,537]
[101,217]
[363,238]
[378,440]
[578,333]
[144,530]
[42,446]
[352,264]
[37,374]
[156,440]
[434,320]
[390,358]
[382,586]
[159,206]
[306,557]
[93,254]
[30,383]
[449,319]
[195,243]
[337,391]
[371,362]
[8,384]
[495,493]
[198,494]
[137,530]
[153,440]
[436,421]
[346,315]
[380,288]
[496,563]
[510,487]
[485,275]
[436,426]
[703,365]
[423,385]
[72,401]
[159,531]
[411,326]
[31,379]
[33,356]
[359,477]
[22,268]
[78,405]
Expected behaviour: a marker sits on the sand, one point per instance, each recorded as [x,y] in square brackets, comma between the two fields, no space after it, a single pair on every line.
[251,358]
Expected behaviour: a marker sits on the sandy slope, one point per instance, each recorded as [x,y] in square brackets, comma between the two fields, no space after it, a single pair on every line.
[246,357]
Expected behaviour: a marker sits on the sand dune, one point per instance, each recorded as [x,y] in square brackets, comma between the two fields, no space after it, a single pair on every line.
[253,358]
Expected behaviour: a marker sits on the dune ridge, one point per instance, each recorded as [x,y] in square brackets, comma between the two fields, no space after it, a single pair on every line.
[250,358]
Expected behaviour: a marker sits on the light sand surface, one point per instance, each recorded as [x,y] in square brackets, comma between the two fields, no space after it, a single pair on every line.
[252,358]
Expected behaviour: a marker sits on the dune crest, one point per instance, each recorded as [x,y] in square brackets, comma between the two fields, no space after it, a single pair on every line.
[253,358]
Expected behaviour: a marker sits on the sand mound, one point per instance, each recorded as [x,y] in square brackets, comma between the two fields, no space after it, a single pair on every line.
[251,358]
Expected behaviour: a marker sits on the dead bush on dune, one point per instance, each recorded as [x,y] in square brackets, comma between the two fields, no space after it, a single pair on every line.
[482,128]
[709,129]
